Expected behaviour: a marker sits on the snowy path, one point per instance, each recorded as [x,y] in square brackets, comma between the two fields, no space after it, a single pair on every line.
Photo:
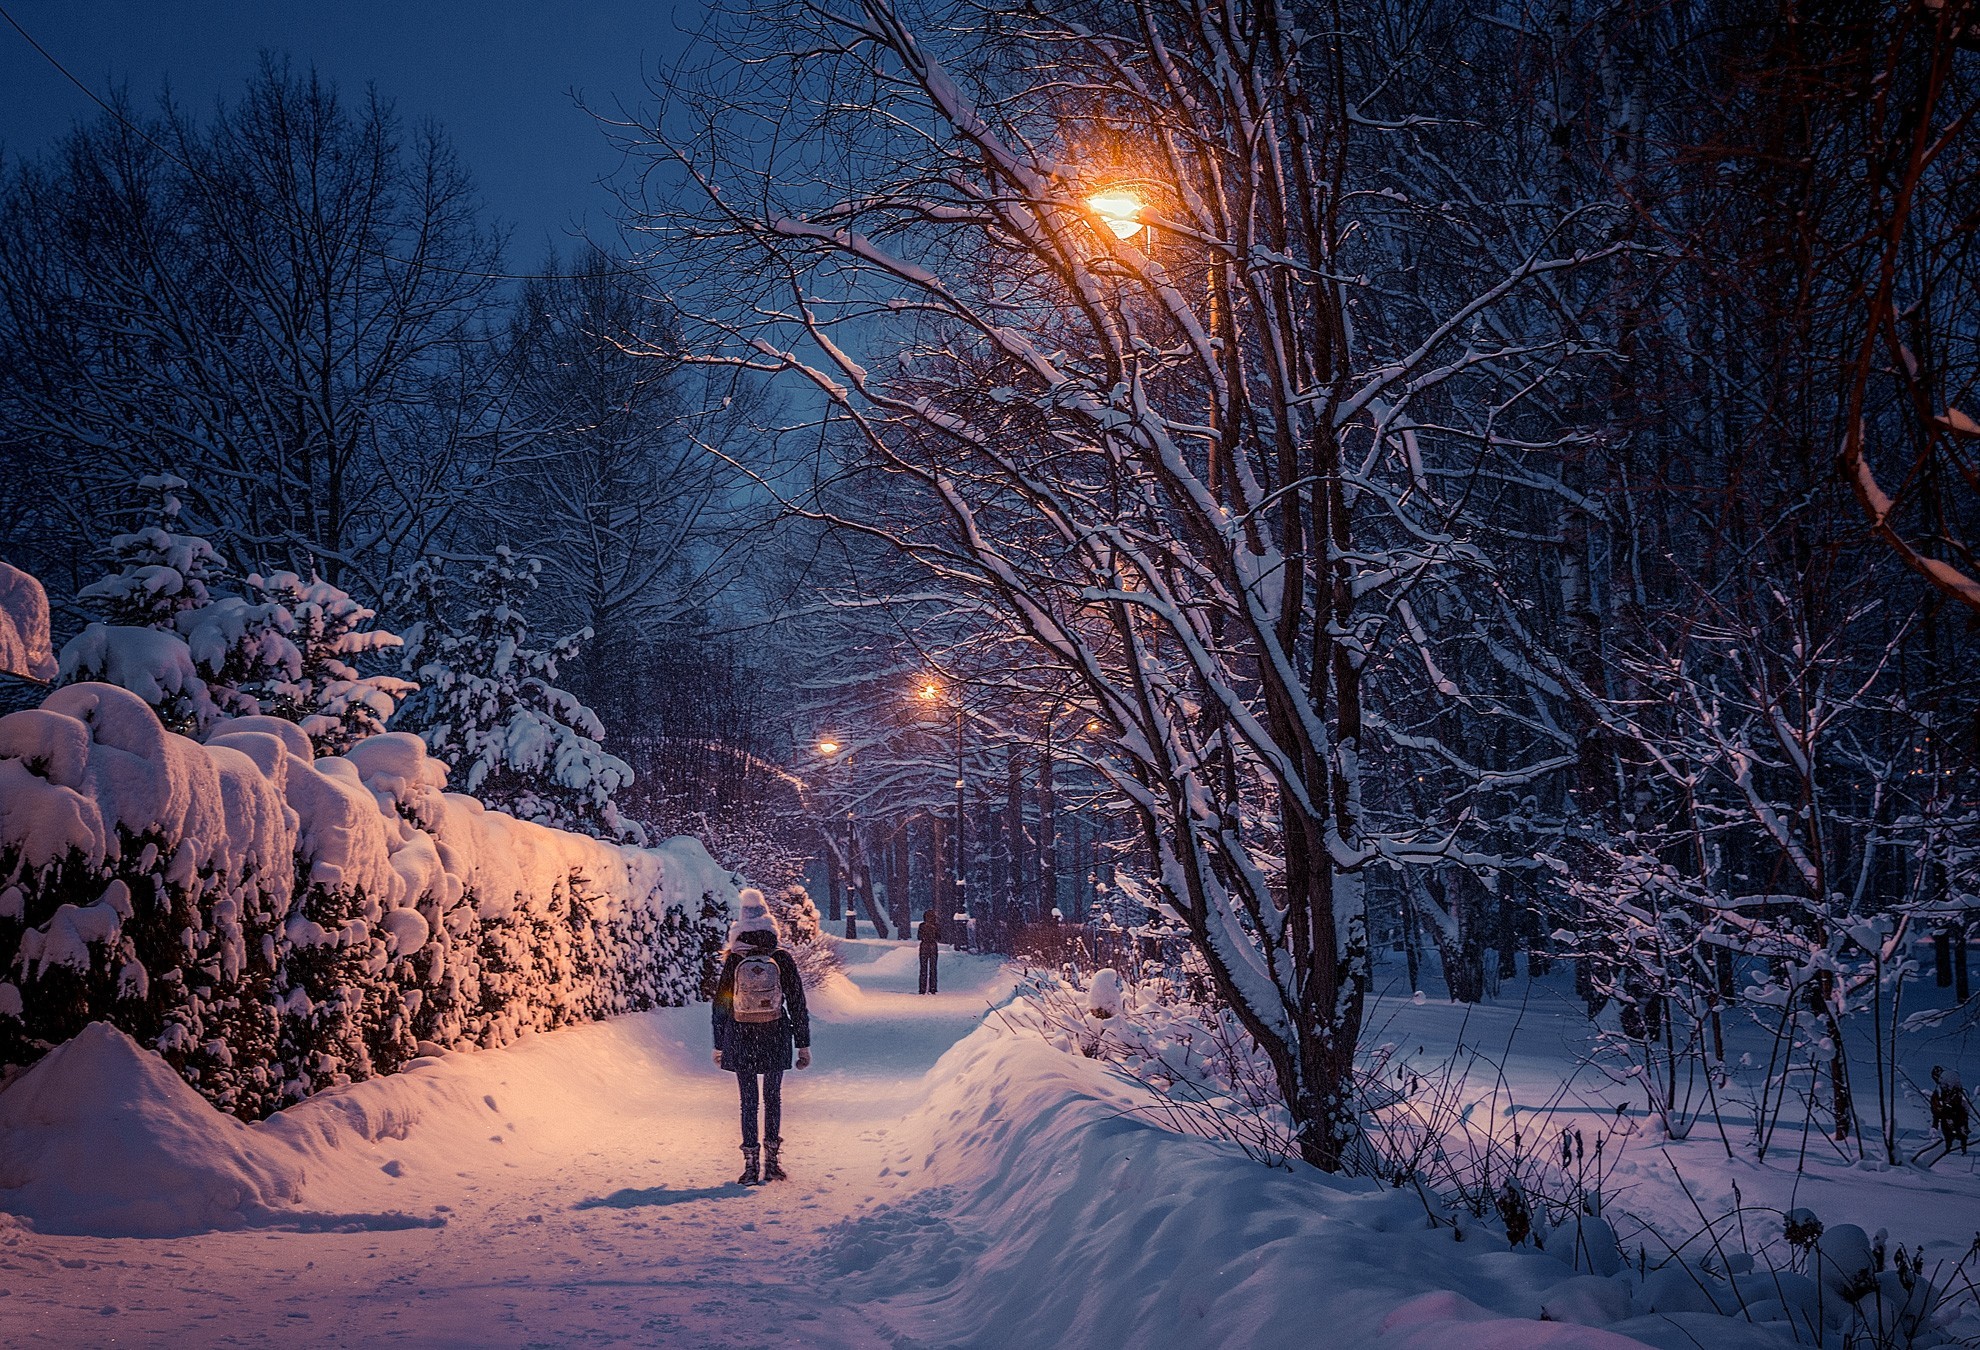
[586,1178]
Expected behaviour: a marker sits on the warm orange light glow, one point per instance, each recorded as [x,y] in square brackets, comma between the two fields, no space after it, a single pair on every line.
[930,690]
[828,747]
[1120,209]
[1093,727]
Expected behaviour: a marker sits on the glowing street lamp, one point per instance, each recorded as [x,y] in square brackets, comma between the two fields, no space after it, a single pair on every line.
[930,692]
[829,748]
[1120,210]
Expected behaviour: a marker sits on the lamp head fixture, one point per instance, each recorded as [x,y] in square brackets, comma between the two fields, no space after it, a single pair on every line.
[1120,209]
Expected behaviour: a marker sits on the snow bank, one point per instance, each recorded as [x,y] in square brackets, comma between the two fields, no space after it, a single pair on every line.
[102,1137]
[25,648]
[275,923]
[1047,1210]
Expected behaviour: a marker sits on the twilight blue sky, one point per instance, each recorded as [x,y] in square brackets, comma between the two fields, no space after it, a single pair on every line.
[497,73]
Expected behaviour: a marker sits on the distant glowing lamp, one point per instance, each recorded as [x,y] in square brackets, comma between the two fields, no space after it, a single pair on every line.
[931,691]
[828,747]
[1120,209]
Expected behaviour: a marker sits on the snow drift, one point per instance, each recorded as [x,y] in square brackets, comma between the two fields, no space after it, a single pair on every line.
[102,1137]
[1046,1211]
[275,923]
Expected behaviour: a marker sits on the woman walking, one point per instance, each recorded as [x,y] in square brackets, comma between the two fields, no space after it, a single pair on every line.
[759,1016]
[930,934]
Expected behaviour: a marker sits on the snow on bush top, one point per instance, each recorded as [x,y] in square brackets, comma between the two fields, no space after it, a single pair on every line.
[24,640]
[250,803]
[274,923]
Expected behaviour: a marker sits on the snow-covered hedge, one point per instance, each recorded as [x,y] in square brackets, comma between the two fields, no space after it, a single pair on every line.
[274,924]
[24,645]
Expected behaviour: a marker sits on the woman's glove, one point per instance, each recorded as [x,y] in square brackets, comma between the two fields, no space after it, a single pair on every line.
[718,1059]
[804,1057]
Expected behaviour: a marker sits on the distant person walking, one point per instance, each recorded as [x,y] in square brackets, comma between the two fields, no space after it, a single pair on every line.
[1949,1109]
[930,934]
[759,1015]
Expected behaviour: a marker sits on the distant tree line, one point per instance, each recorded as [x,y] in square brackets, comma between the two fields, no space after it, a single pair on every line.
[297,310]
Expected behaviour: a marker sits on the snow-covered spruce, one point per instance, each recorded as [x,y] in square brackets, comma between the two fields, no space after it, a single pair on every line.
[274,923]
[172,632]
[488,701]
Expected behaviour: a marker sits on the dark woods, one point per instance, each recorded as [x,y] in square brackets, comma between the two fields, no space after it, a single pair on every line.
[296,306]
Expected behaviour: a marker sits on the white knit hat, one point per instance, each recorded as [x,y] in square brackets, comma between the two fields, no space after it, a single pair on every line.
[755,915]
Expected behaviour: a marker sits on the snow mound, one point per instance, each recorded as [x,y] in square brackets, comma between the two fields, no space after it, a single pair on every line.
[24,644]
[1047,1208]
[101,1137]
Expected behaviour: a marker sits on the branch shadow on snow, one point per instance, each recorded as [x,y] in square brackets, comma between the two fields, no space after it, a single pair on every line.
[660,1195]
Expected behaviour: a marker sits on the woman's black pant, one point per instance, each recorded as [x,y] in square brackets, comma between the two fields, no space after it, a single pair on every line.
[773,1107]
[928,955]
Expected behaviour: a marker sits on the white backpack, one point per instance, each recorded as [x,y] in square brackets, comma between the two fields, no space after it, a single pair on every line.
[759,990]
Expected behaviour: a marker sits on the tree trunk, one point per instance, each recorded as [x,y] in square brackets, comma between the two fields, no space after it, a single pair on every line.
[938,867]
[1508,937]
[1014,851]
[900,881]
[1048,838]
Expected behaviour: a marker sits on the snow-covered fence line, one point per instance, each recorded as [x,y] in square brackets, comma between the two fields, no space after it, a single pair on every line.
[274,923]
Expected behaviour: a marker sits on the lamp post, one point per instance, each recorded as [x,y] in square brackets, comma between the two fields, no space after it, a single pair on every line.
[830,748]
[930,693]
[852,906]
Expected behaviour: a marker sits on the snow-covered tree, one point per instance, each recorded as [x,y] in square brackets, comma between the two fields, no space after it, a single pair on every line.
[160,573]
[324,693]
[489,704]
[162,580]
[277,298]
[1121,341]
[179,634]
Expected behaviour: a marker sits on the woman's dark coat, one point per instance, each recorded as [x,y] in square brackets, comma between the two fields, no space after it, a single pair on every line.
[759,1047]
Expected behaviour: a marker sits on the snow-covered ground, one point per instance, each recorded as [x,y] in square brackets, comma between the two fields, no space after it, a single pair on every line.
[952,1183]
[584,1178]
[1553,1079]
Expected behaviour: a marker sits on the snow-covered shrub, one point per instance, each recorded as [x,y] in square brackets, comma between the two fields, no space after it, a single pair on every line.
[24,640]
[154,664]
[1203,1074]
[815,951]
[1821,1286]
[274,922]
[489,705]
